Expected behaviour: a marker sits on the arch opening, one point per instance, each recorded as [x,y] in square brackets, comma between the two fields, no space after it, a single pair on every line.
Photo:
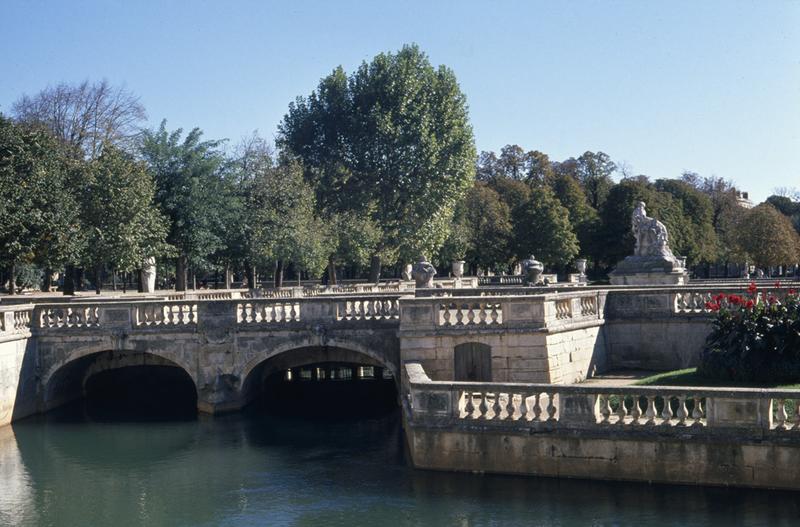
[123,386]
[321,382]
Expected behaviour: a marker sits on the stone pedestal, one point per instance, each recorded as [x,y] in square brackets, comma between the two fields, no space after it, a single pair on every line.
[649,270]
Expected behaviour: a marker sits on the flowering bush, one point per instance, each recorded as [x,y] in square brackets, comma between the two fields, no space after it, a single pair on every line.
[756,337]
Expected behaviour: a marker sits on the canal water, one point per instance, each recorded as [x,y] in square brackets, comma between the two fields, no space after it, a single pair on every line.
[78,467]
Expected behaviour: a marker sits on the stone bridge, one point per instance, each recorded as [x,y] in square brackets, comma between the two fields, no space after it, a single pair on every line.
[228,346]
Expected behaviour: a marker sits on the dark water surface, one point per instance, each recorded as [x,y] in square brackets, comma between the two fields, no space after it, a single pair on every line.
[66,469]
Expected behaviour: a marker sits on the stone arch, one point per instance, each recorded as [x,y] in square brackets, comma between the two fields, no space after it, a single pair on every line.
[309,351]
[341,344]
[65,380]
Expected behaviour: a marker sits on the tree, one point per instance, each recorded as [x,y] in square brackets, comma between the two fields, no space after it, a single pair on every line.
[190,192]
[38,215]
[697,239]
[488,219]
[768,237]
[594,174]
[123,225]
[85,116]
[283,224]
[542,227]
[392,139]
[582,216]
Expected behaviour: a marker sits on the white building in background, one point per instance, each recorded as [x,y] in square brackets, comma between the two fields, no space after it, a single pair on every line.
[744,199]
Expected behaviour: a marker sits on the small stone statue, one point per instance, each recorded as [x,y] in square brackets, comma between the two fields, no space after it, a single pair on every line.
[532,269]
[423,272]
[149,275]
[408,270]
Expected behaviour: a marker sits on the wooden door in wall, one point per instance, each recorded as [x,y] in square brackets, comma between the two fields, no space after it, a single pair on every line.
[473,362]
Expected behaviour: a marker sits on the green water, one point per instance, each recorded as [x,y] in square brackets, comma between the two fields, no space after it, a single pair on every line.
[68,469]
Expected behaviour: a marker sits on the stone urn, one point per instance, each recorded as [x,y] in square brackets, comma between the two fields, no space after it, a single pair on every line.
[532,270]
[682,261]
[580,265]
[423,272]
[407,272]
[458,268]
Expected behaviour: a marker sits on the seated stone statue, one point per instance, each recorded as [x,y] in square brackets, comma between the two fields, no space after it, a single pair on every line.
[652,238]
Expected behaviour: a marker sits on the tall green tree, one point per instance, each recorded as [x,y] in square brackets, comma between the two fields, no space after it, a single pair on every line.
[190,192]
[768,237]
[393,139]
[39,216]
[123,225]
[541,227]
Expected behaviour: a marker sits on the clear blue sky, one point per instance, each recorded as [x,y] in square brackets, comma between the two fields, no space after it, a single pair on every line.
[712,87]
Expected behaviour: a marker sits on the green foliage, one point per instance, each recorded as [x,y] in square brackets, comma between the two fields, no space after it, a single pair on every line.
[582,216]
[280,214]
[38,212]
[189,190]
[754,338]
[392,139]
[697,239]
[768,237]
[542,228]
[121,221]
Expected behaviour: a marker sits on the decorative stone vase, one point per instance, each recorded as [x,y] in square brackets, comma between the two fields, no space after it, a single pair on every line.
[458,268]
[682,261]
[532,270]
[423,272]
[407,272]
[580,264]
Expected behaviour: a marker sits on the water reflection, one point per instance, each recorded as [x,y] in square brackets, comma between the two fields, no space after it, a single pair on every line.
[255,469]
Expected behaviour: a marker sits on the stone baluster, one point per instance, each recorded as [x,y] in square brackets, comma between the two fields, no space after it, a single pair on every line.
[697,410]
[496,407]
[510,410]
[483,408]
[605,409]
[636,411]
[469,407]
[666,413]
[495,315]
[523,407]
[683,413]
[551,406]
[459,315]
[446,314]
[650,412]
[482,314]
[621,411]
[470,314]
[780,415]
[537,406]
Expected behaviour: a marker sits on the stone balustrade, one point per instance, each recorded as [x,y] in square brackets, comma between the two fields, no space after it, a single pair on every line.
[15,320]
[675,410]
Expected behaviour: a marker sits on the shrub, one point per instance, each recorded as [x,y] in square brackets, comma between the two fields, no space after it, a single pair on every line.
[755,337]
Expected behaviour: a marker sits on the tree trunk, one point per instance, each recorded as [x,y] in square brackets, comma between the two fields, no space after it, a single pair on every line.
[48,280]
[299,277]
[227,277]
[124,282]
[279,273]
[98,277]
[12,279]
[375,269]
[250,273]
[79,279]
[331,272]
[69,280]
[180,273]
[139,280]
[194,280]
[113,280]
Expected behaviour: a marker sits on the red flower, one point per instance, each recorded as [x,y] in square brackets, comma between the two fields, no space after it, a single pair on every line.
[720,297]
[753,288]
[778,284]
[735,299]
[792,291]
[713,306]
[749,304]
[772,299]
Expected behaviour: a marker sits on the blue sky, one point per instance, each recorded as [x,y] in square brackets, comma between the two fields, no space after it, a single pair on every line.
[663,87]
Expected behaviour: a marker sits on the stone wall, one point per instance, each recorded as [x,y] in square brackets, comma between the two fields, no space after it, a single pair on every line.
[17,365]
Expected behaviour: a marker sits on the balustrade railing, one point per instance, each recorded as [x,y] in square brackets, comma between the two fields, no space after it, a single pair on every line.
[164,314]
[69,317]
[563,308]
[602,407]
[368,309]
[470,313]
[267,312]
